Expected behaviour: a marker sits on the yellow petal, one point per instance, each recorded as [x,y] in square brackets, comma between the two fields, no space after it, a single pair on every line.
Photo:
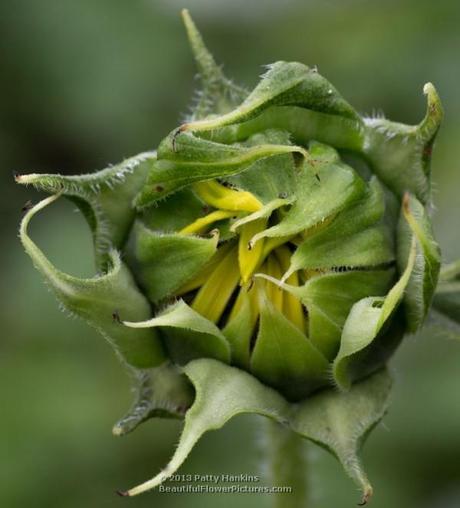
[219,196]
[292,307]
[201,224]
[200,278]
[275,294]
[213,296]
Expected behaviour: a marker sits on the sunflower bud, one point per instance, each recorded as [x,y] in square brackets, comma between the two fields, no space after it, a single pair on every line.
[275,247]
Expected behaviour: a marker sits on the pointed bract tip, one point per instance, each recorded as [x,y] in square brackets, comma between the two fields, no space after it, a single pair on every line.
[428,88]
[429,126]
[25,179]
[190,27]
[117,431]
[185,15]
[434,101]
[367,494]
[122,493]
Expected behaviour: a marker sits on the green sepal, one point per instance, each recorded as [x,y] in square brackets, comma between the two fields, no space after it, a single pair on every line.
[101,300]
[329,299]
[447,297]
[339,422]
[303,125]
[162,392]
[187,335]
[415,223]
[284,358]
[351,240]
[218,94]
[366,319]
[185,159]
[269,178]
[283,84]
[163,262]
[400,155]
[105,199]
[371,247]
[324,187]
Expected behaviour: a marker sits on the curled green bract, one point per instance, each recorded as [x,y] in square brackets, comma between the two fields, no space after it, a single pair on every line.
[267,258]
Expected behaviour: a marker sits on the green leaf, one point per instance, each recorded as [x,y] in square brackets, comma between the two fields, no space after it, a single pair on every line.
[415,223]
[105,199]
[350,240]
[366,319]
[337,421]
[371,247]
[187,334]
[159,392]
[222,392]
[163,262]
[284,84]
[284,358]
[340,422]
[269,178]
[325,186]
[99,299]
[400,154]
[303,125]
[329,299]
[218,94]
[186,159]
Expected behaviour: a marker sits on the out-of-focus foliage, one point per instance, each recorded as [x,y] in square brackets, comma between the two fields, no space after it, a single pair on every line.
[88,82]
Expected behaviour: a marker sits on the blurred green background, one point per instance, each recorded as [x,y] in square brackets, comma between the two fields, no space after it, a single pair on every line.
[88,82]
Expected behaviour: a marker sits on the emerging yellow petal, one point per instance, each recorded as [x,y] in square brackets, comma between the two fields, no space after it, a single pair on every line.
[250,259]
[219,196]
[202,276]
[201,224]
[213,296]
[275,294]
[292,307]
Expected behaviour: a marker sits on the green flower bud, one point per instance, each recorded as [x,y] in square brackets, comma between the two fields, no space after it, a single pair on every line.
[276,247]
